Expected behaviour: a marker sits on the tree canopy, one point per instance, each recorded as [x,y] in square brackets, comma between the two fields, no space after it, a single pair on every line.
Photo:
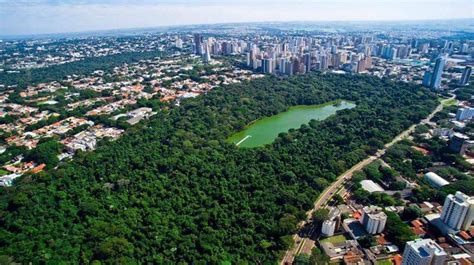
[172,190]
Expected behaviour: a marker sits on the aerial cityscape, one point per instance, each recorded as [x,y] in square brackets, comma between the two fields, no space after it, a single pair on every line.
[294,141]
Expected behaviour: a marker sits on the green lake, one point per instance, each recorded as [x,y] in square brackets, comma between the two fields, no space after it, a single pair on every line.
[265,131]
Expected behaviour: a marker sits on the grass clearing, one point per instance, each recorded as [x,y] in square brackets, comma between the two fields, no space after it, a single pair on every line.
[334,239]
[384,262]
[449,102]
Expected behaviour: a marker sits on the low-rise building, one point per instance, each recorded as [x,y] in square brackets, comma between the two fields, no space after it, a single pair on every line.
[464,114]
[435,180]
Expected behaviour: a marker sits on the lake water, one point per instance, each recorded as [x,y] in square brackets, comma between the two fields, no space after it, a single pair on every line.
[266,130]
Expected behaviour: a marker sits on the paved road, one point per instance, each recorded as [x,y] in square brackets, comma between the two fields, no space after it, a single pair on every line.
[303,244]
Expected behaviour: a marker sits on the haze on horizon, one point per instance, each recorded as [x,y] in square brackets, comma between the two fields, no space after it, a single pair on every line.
[23,17]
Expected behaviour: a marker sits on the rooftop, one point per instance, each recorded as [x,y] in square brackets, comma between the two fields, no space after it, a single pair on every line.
[426,247]
[371,186]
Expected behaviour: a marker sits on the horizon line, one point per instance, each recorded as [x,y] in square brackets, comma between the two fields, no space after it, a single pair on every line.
[52,34]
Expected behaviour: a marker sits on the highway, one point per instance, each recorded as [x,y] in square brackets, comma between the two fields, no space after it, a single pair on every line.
[302,244]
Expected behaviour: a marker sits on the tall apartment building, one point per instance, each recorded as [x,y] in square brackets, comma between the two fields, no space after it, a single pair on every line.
[458,211]
[331,225]
[373,219]
[437,73]
[466,75]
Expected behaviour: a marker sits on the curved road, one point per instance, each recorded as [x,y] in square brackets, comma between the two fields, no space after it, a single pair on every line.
[331,190]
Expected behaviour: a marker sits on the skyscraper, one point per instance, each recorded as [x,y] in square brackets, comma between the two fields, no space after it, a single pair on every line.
[207,53]
[267,66]
[289,68]
[249,59]
[323,62]
[424,48]
[307,62]
[437,73]
[466,74]
[360,66]
[427,79]
[198,39]
[393,53]
[458,211]
[281,65]
[423,252]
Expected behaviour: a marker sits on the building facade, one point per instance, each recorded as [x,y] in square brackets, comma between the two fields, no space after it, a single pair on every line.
[466,75]
[464,114]
[458,211]
[373,219]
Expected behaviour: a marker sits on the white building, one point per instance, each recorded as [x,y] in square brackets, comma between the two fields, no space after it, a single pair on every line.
[423,252]
[332,223]
[371,186]
[7,180]
[464,114]
[179,43]
[435,180]
[458,211]
[328,228]
[373,219]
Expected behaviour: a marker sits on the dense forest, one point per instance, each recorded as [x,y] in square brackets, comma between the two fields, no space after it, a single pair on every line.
[82,67]
[173,191]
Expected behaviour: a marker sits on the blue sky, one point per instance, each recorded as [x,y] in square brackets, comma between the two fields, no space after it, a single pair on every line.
[57,16]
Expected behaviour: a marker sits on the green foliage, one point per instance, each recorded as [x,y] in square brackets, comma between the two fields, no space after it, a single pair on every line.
[11,152]
[338,199]
[82,67]
[465,93]
[397,231]
[427,193]
[375,198]
[411,213]
[367,241]
[420,129]
[320,215]
[358,176]
[372,171]
[465,186]
[302,259]
[42,123]
[318,258]
[149,197]
[406,160]
[46,152]
[398,185]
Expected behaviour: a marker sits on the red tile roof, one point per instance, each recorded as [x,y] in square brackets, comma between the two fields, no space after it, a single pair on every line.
[465,235]
[397,260]
[38,169]
[416,223]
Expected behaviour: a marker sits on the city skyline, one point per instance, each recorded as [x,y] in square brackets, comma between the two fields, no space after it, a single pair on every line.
[50,17]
